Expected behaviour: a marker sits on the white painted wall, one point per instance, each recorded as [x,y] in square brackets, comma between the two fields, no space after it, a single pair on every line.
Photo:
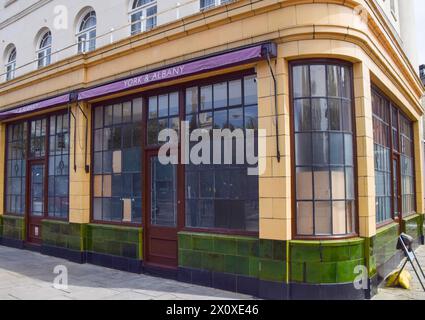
[22,20]
[393,16]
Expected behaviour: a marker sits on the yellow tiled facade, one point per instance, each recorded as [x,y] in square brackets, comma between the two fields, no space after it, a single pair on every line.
[302,29]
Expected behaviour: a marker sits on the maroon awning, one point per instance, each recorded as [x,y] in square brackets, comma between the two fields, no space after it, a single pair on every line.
[215,62]
[38,106]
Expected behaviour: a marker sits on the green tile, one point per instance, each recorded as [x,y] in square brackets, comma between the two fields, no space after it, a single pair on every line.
[305,253]
[328,272]
[185,241]
[313,272]
[266,249]
[332,254]
[279,250]
[185,258]
[248,248]
[213,262]
[271,270]
[225,246]
[297,272]
[345,270]
[203,243]
[236,265]
[357,252]
[254,267]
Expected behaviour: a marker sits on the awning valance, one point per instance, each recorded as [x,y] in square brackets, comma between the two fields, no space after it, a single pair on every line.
[35,107]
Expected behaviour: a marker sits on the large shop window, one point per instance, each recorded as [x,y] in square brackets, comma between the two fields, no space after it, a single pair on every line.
[26,144]
[117,186]
[222,196]
[324,162]
[16,168]
[59,166]
[394,163]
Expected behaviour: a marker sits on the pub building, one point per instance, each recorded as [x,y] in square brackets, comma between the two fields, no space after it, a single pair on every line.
[80,176]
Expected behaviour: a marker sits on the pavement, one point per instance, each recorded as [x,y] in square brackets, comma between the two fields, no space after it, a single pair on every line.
[415,293]
[26,275]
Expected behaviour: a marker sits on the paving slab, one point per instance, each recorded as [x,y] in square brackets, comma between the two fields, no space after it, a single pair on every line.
[26,275]
[415,293]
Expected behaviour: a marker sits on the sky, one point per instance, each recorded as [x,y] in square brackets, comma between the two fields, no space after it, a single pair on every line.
[420,29]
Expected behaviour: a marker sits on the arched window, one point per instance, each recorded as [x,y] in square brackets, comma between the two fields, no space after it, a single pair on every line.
[86,34]
[11,64]
[323,137]
[44,50]
[143,15]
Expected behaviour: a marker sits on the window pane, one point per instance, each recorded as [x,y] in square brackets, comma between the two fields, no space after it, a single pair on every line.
[334,79]
[319,110]
[304,184]
[347,118]
[350,216]
[322,188]
[126,111]
[220,120]
[108,115]
[206,98]
[318,81]
[98,118]
[220,95]
[236,119]
[191,100]
[335,114]
[163,106]
[301,81]
[205,120]
[348,144]
[117,114]
[302,115]
[323,218]
[350,183]
[97,209]
[250,89]
[337,148]
[235,93]
[345,83]
[320,149]
[153,107]
[303,149]
[174,103]
[339,218]
[338,183]
[153,132]
[251,118]
[137,109]
[305,218]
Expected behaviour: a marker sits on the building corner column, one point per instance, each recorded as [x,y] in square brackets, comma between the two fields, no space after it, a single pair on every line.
[79,192]
[418,135]
[275,212]
[365,151]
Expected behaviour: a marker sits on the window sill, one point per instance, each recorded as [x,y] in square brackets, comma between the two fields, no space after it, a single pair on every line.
[326,238]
